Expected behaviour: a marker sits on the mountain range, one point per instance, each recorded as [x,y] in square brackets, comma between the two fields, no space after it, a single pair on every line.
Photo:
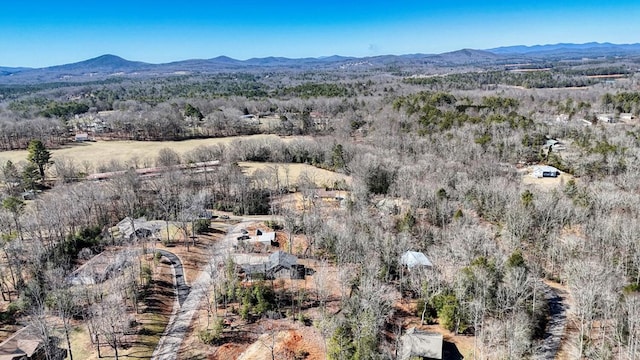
[106,66]
[570,51]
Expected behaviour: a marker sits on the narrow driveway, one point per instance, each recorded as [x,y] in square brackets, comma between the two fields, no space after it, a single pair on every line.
[178,325]
[182,289]
[555,327]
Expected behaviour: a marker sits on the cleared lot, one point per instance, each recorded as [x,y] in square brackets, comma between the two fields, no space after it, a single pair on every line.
[292,173]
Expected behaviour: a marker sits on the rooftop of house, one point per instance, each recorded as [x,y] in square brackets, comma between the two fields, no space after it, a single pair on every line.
[421,343]
[22,343]
[281,258]
[265,237]
[276,261]
[126,226]
[414,258]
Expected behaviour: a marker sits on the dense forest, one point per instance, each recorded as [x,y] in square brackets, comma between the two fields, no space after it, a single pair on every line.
[437,164]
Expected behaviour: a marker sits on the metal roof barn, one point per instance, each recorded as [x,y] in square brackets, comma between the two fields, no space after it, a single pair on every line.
[413,258]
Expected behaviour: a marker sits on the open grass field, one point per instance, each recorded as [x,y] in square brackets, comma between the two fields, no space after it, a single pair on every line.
[90,155]
[289,173]
[145,152]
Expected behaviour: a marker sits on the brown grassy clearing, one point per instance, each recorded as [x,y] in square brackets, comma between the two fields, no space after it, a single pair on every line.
[289,173]
[101,152]
[612,76]
[546,183]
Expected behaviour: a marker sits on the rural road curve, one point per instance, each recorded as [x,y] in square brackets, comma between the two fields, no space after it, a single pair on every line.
[176,329]
[555,327]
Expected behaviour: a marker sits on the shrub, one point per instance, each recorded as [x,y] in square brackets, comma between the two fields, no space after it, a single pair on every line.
[631,288]
[275,225]
[449,313]
[211,336]
[379,180]
[201,226]
[146,273]
[85,254]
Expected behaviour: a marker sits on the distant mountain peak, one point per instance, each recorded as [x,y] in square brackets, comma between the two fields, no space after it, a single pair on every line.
[107,57]
[106,62]
[223,58]
[466,56]
[471,52]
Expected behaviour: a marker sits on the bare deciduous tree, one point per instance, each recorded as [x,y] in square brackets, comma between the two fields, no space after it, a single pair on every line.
[112,321]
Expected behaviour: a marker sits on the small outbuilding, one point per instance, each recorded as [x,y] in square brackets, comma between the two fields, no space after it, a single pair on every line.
[266,238]
[542,171]
[606,118]
[411,259]
[82,137]
[627,117]
[418,343]
[28,195]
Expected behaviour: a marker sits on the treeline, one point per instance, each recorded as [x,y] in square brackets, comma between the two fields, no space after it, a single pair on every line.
[314,90]
[103,95]
[440,111]
[598,71]
[481,80]
[17,133]
[64,110]
[622,102]
[180,108]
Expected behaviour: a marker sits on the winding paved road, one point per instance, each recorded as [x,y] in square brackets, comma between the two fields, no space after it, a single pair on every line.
[178,325]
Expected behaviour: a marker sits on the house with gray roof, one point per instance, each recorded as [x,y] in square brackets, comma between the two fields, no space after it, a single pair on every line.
[278,265]
[130,229]
[418,343]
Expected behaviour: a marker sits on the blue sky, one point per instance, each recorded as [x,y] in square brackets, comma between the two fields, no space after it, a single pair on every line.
[45,33]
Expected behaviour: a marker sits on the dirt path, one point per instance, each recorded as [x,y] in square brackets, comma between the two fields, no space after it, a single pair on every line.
[178,325]
[558,308]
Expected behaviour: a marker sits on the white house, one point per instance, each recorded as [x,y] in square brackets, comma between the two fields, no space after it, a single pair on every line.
[266,238]
[606,118]
[82,137]
[627,117]
[542,171]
